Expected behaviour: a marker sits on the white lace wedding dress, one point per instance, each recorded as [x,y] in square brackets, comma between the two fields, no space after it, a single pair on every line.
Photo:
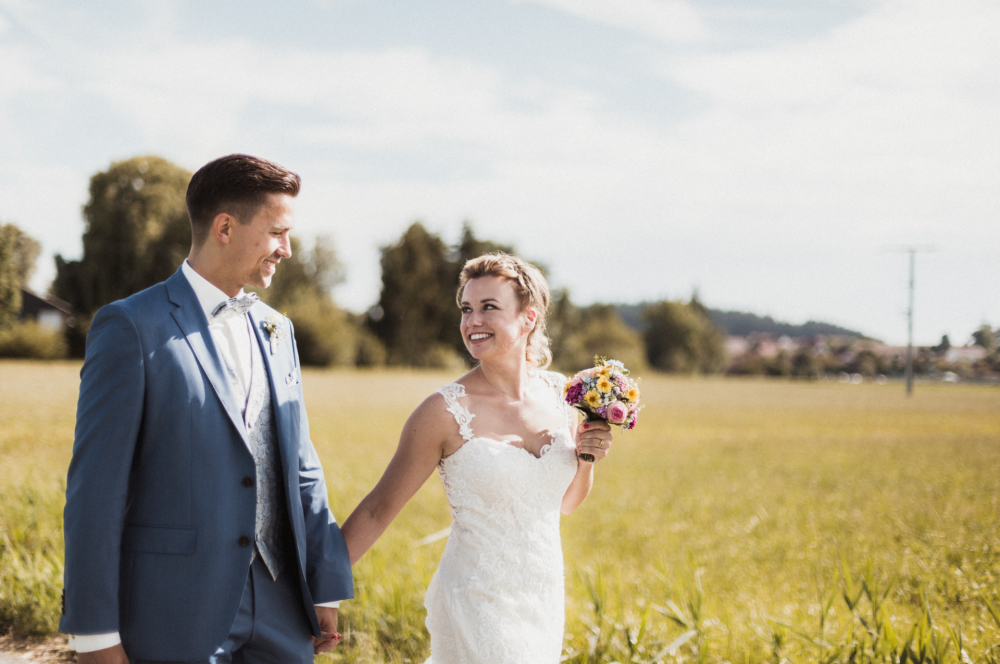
[497,596]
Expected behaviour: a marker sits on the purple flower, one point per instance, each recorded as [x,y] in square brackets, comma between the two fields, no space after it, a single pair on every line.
[575,393]
[603,412]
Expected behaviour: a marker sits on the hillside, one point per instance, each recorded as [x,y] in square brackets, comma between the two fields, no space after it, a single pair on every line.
[741,323]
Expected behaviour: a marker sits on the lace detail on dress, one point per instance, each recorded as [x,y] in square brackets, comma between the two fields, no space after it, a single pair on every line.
[497,596]
[451,393]
[557,382]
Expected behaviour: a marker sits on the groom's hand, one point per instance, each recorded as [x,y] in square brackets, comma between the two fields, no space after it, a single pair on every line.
[328,625]
[113,655]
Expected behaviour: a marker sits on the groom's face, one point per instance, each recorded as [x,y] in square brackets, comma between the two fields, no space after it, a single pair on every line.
[259,246]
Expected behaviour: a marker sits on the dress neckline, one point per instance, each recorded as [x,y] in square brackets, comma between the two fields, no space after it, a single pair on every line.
[451,393]
[542,453]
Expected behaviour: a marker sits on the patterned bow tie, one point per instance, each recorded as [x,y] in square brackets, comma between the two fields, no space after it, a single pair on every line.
[237,305]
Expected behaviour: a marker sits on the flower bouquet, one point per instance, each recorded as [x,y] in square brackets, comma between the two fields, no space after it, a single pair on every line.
[605,392]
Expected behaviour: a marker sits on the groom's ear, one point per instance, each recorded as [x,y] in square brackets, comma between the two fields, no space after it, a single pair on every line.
[222,227]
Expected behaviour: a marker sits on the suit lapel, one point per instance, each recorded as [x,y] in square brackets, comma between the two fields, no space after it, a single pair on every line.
[191,319]
[264,342]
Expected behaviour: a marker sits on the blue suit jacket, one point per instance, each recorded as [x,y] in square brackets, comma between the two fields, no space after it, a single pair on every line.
[156,504]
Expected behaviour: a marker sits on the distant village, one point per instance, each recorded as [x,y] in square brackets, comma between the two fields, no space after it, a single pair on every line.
[854,359]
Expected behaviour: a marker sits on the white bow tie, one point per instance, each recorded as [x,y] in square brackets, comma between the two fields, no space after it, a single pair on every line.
[236,305]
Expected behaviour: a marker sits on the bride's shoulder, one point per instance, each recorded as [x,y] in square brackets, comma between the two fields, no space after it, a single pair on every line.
[439,404]
[553,379]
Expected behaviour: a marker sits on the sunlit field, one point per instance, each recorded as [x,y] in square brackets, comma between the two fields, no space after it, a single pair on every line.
[743,521]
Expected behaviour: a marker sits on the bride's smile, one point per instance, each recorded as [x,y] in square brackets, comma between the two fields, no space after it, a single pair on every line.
[493,323]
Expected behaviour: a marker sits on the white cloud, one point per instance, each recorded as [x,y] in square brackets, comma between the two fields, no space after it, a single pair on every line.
[667,20]
[774,194]
[880,121]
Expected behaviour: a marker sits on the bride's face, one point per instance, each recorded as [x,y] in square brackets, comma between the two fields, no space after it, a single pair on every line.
[492,324]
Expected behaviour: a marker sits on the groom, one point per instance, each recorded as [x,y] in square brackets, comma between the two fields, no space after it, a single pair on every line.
[197,525]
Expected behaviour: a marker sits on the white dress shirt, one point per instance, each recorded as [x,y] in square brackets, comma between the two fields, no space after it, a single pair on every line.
[232,336]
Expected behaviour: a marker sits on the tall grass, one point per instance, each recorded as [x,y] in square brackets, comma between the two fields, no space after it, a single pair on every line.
[743,521]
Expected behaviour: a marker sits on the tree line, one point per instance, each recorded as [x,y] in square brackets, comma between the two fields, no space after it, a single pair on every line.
[137,232]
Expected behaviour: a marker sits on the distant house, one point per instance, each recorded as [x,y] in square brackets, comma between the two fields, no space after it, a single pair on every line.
[50,313]
[970,354]
[737,346]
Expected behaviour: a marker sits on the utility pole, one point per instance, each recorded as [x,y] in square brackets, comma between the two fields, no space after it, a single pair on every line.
[909,325]
[912,251]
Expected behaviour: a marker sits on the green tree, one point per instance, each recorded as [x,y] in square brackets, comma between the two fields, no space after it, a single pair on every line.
[943,346]
[18,253]
[307,275]
[469,247]
[563,322]
[302,289]
[779,365]
[137,233]
[866,363]
[598,331]
[985,337]
[416,317]
[806,364]
[680,337]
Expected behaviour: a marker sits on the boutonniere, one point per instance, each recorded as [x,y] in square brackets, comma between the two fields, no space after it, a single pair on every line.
[274,325]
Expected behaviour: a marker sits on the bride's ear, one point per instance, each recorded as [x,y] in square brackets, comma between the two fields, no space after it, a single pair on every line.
[532,319]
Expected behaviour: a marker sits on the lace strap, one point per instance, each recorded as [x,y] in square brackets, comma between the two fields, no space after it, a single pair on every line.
[557,382]
[451,393]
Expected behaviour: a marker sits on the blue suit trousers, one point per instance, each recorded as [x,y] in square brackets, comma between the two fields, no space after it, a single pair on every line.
[270,628]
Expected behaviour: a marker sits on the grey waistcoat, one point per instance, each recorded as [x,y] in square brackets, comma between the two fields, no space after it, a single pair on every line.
[272,536]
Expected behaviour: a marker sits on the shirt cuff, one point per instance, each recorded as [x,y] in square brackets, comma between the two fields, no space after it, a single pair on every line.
[92,642]
[330,605]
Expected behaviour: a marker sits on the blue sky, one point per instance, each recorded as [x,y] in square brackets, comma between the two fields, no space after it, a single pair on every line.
[767,153]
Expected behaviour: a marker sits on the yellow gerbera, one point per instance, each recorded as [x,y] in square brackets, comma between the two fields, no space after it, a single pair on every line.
[632,394]
[605,371]
[604,385]
[593,399]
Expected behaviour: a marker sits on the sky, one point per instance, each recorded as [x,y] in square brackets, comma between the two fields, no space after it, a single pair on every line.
[772,155]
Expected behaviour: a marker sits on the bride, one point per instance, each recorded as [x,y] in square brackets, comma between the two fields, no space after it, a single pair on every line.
[506,446]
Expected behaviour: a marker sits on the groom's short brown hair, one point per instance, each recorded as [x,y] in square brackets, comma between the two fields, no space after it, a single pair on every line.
[237,184]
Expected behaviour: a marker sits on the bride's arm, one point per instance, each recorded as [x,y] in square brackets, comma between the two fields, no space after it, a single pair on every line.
[592,438]
[421,445]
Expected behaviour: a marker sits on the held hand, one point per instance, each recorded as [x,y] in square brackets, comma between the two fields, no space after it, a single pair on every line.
[327,617]
[113,655]
[593,438]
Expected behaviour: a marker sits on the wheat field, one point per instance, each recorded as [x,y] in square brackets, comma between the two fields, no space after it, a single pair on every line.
[742,521]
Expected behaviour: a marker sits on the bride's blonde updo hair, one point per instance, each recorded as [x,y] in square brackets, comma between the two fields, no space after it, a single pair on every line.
[531,289]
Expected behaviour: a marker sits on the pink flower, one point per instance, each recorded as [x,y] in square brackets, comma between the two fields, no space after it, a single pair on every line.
[617,412]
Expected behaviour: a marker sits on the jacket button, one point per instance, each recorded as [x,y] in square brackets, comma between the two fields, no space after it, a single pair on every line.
[244,541]
[248,481]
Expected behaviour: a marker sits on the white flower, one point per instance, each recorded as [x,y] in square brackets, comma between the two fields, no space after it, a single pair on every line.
[274,325]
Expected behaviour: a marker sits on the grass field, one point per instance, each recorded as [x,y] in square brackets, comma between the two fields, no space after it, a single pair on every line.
[743,521]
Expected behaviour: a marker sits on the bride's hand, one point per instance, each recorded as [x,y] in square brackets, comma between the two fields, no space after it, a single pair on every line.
[593,438]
